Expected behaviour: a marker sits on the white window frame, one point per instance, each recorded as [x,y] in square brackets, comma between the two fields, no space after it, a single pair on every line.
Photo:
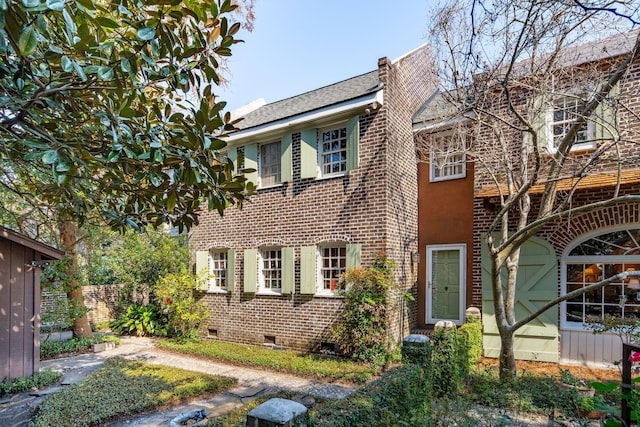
[261,165]
[588,259]
[262,289]
[320,289]
[462,251]
[214,283]
[549,123]
[320,149]
[439,140]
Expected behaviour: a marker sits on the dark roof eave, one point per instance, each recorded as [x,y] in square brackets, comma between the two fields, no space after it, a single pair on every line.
[46,250]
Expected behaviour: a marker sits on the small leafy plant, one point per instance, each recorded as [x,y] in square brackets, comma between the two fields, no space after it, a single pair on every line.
[140,320]
[35,381]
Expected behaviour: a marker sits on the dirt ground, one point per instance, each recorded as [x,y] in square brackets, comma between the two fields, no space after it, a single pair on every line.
[589,373]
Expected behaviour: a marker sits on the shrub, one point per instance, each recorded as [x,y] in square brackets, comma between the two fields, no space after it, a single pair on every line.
[469,345]
[362,330]
[185,314]
[49,349]
[35,381]
[140,320]
[446,370]
[417,354]
[400,397]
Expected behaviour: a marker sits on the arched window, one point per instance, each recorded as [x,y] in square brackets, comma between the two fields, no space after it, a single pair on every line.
[594,259]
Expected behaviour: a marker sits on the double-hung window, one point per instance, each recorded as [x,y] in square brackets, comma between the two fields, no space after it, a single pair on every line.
[561,117]
[333,150]
[447,156]
[269,164]
[333,263]
[217,270]
[271,270]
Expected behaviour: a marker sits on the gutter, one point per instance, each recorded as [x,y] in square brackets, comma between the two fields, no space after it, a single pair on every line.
[368,102]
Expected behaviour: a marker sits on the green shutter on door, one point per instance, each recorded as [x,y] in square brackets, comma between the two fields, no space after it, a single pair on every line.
[353,142]
[202,269]
[251,162]
[232,155]
[286,159]
[309,153]
[250,270]
[605,119]
[231,270]
[353,255]
[288,271]
[308,272]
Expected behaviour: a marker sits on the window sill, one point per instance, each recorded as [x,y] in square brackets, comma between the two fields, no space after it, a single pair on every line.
[266,293]
[216,291]
[448,178]
[328,295]
[267,187]
[333,175]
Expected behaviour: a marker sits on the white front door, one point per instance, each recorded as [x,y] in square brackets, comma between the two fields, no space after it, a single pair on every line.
[445,283]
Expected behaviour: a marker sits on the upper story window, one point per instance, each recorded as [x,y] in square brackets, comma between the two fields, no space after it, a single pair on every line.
[269,166]
[561,117]
[333,150]
[447,158]
[217,270]
[271,270]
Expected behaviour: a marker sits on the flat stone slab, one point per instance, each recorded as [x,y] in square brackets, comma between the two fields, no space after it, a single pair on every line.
[249,391]
[97,348]
[416,339]
[275,412]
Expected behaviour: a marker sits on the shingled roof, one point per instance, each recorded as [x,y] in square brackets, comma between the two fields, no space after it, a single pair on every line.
[333,94]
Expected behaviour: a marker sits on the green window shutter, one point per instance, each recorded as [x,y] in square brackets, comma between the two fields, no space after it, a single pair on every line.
[202,269]
[308,272]
[231,270]
[251,162]
[309,153]
[353,143]
[605,119]
[539,121]
[288,271]
[286,159]
[353,255]
[232,155]
[250,270]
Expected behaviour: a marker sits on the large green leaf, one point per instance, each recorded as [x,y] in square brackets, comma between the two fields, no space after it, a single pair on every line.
[28,41]
[146,33]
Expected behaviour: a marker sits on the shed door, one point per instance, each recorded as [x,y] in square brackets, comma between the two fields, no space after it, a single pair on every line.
[536,285]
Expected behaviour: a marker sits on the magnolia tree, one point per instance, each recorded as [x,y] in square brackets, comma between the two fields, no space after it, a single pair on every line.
[94,121]
[508,68]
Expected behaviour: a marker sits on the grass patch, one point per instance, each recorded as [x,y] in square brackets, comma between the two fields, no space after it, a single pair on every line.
[327,368]
[529,392]
[52,349]
[121,388]
[34,382]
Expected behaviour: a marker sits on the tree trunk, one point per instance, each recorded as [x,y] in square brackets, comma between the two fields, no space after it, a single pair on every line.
[69,239]
[507,357]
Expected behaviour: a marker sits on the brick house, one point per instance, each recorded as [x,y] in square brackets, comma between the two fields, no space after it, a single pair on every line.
[336,178]
[566,254]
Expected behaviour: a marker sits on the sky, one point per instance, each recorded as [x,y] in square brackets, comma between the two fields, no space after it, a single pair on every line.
[301,45]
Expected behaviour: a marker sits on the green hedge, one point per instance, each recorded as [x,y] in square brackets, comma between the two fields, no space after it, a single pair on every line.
[400,398]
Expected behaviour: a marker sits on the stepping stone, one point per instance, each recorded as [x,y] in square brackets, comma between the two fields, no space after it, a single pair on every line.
[249,391]
[275,412]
